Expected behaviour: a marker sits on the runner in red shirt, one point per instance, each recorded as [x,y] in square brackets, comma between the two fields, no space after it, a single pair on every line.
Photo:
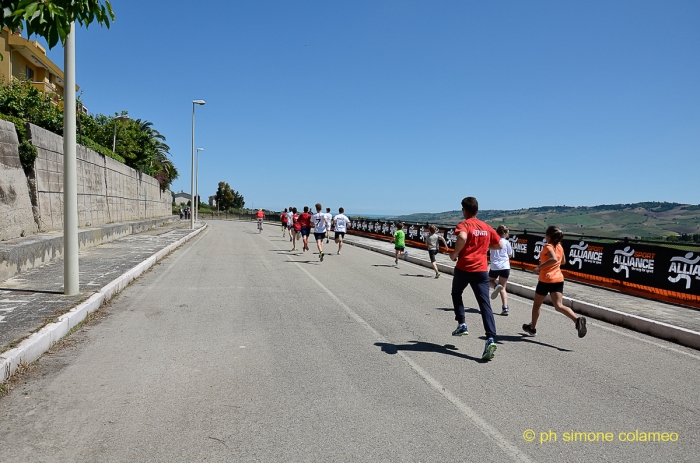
[296,228]
[474,238]
[305,222]
[283,219]
[261,216]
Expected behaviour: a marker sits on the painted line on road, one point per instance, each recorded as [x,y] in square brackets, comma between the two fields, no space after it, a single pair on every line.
[510,449]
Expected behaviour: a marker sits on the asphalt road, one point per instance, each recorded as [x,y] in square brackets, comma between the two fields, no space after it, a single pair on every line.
[236,349]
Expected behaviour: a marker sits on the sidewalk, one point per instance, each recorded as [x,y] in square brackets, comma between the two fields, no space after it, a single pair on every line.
[634,306]
[31,299]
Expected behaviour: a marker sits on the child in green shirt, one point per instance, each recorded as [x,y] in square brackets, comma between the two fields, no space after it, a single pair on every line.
[399,241]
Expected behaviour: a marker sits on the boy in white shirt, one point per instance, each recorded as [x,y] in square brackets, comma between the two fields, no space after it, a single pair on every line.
[500,268]
[341,222]
[320,224]
[329,218]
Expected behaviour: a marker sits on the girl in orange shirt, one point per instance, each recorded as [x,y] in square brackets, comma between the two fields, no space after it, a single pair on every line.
[551,281]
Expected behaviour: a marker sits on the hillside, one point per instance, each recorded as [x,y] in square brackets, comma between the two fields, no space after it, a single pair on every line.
[643,220]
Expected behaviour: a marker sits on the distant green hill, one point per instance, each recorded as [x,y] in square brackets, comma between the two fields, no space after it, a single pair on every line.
[643,220]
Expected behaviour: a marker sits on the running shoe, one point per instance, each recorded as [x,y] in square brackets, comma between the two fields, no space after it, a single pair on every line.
[396,261]
[489,349]
[461,330]
[529,330]
[496,291]
[505,311]
[320,256]
[294,249]
[338,252]
[437,275]
[581,326]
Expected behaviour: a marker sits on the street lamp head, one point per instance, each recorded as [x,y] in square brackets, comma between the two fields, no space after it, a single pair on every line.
[123,117]
[199,102]
[200,149]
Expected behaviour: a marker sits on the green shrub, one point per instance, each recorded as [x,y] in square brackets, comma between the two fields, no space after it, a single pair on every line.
[27,151]
[88,143]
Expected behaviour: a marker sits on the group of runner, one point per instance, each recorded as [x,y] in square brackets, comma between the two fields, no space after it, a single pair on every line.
[299,226]
[474,240]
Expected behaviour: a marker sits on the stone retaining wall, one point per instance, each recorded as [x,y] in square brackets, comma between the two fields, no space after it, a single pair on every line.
[108,191]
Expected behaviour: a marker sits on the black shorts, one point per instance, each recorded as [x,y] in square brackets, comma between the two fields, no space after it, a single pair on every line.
[545,288]
[339,235]
[319,236]
[305,231]
[432,254]
[399,248]
[505,273]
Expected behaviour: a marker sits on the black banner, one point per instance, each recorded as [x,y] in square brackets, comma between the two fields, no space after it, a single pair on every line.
[644,264]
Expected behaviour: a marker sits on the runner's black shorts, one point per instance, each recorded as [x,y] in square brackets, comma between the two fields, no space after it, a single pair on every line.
[399,248]
[545,288]
[339,235]
[305,231]
[432,253]
[319,236]
[504,273]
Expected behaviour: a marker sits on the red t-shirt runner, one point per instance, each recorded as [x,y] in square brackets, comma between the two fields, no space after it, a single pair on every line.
[295,222]
[305,219]
[260,214]
[283,218]
[480,235]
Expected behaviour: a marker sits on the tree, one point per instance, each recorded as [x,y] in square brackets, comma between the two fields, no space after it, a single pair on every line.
[227,198]
[51,19]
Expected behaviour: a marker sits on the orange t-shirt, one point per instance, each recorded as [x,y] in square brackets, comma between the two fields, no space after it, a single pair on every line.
[551,273]
[261,215]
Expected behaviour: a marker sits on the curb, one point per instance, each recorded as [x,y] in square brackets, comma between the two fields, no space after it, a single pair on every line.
[653,328]
[37,343]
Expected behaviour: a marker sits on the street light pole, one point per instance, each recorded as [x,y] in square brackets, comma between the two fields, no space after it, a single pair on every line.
[196,183]
[71,275]
[114,142]
[201,103]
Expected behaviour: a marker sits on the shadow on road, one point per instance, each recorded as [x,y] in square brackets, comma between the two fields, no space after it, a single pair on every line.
[525,338]
[466,309]
[420,346]
[417,276]
[41,291]
[383,265]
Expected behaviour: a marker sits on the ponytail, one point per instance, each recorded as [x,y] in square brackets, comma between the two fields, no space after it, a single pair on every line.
[555,235]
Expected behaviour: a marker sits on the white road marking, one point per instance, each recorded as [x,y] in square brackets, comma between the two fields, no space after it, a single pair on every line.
[510,449]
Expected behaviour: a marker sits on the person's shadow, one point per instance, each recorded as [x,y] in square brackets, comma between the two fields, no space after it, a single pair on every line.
[420,346]
[524,338]
[466,309]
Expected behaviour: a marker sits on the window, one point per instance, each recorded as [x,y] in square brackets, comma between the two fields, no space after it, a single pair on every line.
[30,73]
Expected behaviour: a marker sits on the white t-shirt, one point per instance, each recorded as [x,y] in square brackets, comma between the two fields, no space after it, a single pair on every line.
[290,218]
[500,258]
[329,218]
[319,221]
[341,223]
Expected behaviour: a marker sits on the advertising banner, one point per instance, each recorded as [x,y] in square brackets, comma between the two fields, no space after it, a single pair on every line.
[642,264]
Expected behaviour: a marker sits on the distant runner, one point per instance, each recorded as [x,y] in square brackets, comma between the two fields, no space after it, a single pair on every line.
[320,223]
[329,218]
[474,238]
[551,281]
[341,226]
[305,223]
[290,222]
[399,242]
[296,228]
[283,220]
[432,241]
[500,269]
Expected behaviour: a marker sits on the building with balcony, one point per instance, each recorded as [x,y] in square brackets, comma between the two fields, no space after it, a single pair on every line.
[26,59]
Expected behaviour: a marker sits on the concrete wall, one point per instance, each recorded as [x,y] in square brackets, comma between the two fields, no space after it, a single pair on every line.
[16,216]
[108,191]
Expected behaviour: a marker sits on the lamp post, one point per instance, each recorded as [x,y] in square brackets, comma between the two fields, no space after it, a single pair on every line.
[118,118]
[196,184]
[71,275]
[201,103]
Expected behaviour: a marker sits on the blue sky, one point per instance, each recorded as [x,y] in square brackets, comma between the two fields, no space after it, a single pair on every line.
[393,107]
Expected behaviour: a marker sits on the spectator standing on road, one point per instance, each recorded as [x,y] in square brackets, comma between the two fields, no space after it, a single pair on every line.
[283,220]
[474,239]
[432,241]
[296,228]
[329,218]
[320,223]
[551,281]
[399,242]
[341,222]
[500,269]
